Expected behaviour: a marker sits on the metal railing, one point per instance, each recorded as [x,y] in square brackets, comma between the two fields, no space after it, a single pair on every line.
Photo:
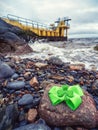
[27,22]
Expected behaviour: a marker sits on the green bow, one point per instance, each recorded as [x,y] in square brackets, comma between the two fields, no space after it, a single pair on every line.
[69,94]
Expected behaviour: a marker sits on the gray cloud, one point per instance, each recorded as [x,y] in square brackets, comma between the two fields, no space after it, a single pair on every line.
[83,14]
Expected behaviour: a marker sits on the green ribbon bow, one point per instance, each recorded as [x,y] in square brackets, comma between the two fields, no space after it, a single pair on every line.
[69,94]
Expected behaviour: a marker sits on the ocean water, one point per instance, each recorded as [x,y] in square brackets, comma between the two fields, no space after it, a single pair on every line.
[75,50]
[90,35]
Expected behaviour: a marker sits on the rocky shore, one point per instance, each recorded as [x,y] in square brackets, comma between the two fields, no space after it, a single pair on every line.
[22,86]
[26,80]
[12,39]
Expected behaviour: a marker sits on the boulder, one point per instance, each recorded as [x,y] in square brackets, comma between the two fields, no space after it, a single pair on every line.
[26,99]
[8,116]
[40,125]
[61,115]
[16,85]
[55,61]
[11,39]
[5,70]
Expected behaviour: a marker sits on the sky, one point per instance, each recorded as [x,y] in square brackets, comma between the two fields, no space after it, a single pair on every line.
[84,14]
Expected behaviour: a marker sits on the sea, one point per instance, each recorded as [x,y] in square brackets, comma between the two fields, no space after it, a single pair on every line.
[77,50]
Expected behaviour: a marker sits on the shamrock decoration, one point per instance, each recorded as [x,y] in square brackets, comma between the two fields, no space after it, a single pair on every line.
[69,94]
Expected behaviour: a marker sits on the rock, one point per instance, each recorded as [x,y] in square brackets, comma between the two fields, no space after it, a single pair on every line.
[56,128]
[5,70]
[57,77]
[16,85]
[95,84]
[4,24]
[68,128]
[95,87]
[40,65]
[16,59]
[61,115]
[15,76]
[32,114]
[27,74]
[55,61]
[29,64]
[8,118]
[23,49]
[37,126]
[10,39]
[96,48]
[26,99]
[77,66]
[34,82]
[22,116]
[79,128]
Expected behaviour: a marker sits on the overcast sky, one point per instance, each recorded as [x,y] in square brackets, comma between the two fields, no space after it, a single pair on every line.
[84,13]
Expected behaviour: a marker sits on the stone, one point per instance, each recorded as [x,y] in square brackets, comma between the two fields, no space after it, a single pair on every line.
[26,100]
[5,70]
[57,77]
[8,117]
[70,78]
[11,39]
[36,126]
[55,61]
[31,116]
[56,128]
[15,76]
[16,85]
[40,65]
[27,74]
[22,115]
[77,66]
[79,128]
[86,115]
[16,59]
[95,84]
[23,49]
[29,64]
[34,82]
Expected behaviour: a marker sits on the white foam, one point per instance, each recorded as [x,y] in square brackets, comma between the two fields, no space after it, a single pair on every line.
[70,53]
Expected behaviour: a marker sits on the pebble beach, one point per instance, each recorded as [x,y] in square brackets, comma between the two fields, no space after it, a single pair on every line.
[71,62]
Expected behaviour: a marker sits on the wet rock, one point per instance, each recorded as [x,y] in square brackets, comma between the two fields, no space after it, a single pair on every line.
[68,128]
[40,65]
[77,66]
[10,40]
[23,49]
[36,101]
[27,75]
[79,128]
[26,99]
[8,118]
[95,84]
[37,126]
[16,85]
[29,64]
[22,116]
[56,128]
[61,114]
[4,24]
[5,70]
[15,76]
[55,61]
[96,48]
[57,77]
[34,82]
[32,113]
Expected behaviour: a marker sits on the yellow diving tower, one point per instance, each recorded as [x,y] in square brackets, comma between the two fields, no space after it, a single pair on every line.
[55,32]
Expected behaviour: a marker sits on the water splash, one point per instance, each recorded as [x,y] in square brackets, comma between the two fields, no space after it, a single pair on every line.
[73,51]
